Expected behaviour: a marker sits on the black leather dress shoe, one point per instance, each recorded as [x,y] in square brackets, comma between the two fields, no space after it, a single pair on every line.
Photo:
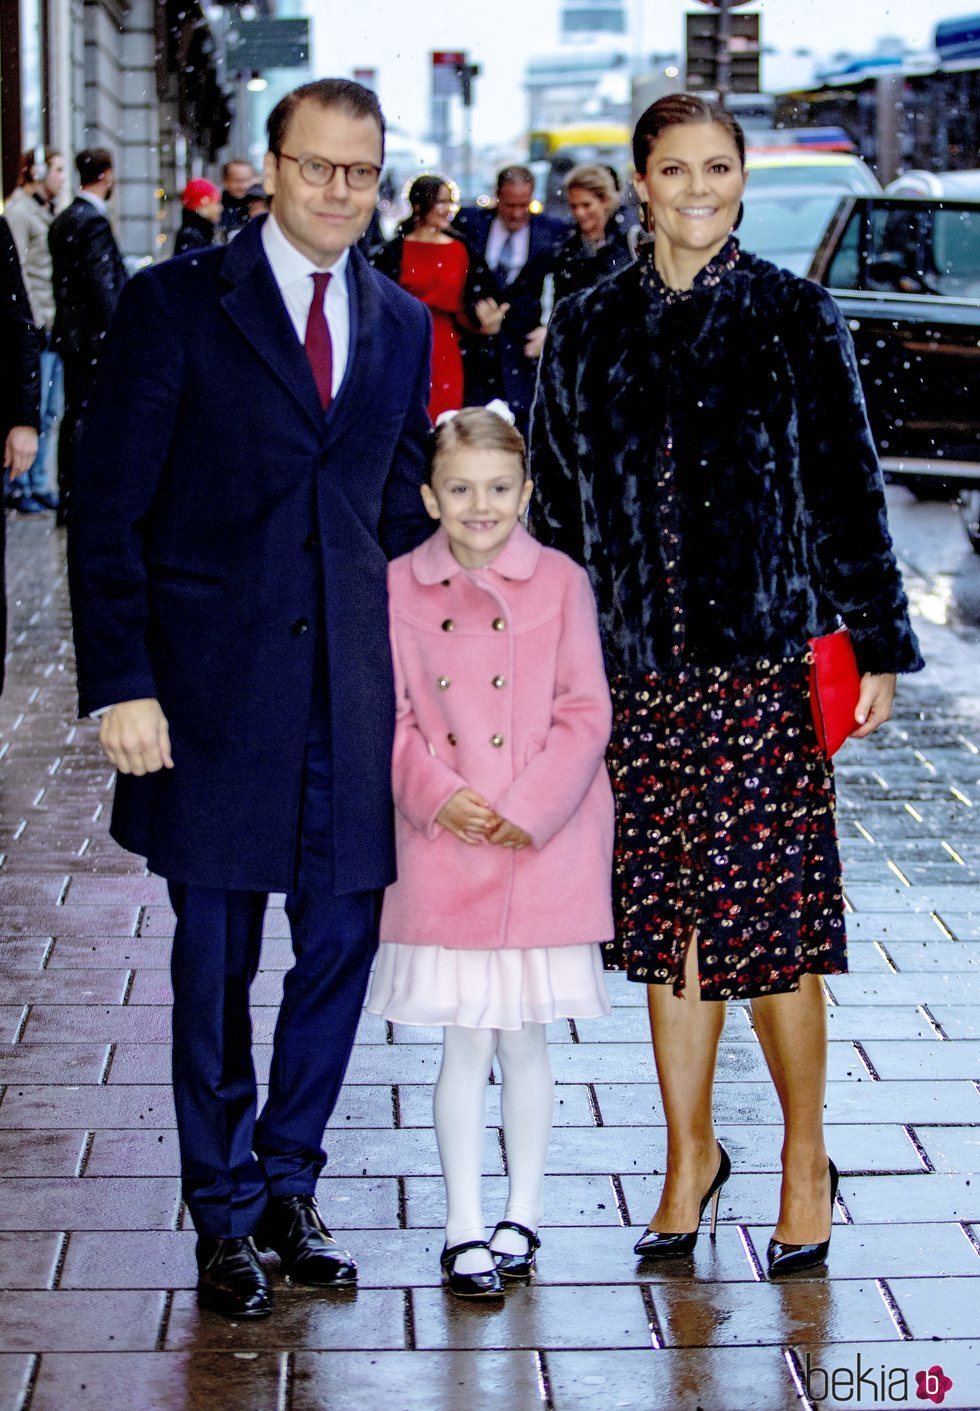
[293,1228]
[516,1266]
[230,1279]
[486,1284]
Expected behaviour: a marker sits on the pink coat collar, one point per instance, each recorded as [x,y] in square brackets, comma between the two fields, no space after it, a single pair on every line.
[433,561]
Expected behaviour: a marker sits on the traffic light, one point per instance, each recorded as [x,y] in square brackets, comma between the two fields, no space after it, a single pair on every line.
[702,52]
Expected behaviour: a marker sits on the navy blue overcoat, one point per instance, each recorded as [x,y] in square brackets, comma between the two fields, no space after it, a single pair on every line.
[217,513]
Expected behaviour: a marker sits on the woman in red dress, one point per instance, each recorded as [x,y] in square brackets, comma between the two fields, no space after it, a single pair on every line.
[428,259]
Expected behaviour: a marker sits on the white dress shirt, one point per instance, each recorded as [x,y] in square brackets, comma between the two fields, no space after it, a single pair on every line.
[95,201]
[292,271]
[520,245]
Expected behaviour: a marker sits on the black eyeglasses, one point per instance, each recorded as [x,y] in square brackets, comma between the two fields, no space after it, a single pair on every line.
[317,171]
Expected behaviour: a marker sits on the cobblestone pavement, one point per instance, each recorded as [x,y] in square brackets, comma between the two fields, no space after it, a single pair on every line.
[96,1260]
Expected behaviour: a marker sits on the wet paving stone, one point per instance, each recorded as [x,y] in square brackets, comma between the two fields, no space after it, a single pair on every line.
[779,1313]
[425,1381]
[878,1252]
[951,1148]
[533,1317]
[159,1381]
[937,1308]
[899,1061]
[39,1153]
[569,1200]
[43,1063]
[75,1321]
[88,1107]
[104,1204]
[29,1260]
[303,1320]
[61,1024]
[702,1379]
[16,1369]
[899,1199]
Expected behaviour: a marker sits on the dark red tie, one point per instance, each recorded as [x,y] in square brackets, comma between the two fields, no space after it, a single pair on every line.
[319,349]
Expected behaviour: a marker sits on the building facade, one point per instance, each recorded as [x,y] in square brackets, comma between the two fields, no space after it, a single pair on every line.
[140,77]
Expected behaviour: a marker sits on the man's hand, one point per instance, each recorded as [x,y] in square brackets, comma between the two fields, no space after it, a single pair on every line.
[874,705]
[505,834]
[20,450]
[135,737]
[534,341]
[490,315]
[467,816]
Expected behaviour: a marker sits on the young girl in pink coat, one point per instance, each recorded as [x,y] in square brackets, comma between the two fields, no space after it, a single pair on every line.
[504,825]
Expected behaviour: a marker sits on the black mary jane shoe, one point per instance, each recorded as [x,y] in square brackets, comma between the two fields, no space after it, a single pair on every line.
[782,1258]
[516,1266]
[292,1227]
[230,1279]
[486,1284]
[656,1244]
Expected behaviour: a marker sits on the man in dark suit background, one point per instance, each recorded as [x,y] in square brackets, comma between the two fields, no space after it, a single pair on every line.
[88,274]
[20,390]
[252,457]
[518,247]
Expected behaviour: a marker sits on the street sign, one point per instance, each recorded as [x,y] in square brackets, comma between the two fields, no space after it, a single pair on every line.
[743,53]
[446,64]
[254,45]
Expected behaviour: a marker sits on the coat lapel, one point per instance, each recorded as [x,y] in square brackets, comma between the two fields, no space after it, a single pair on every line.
[364,356]
[255,305]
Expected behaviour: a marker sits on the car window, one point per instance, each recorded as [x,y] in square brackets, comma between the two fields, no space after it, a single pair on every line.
[844,271]
[841,178]
[921,249]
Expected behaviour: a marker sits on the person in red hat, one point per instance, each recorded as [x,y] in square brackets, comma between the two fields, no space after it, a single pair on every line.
[202,210]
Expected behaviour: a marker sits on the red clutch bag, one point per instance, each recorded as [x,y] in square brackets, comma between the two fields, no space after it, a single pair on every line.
[835,686]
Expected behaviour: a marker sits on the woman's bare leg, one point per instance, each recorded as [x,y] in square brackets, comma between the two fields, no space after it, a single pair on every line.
[792,1030]
[685,1031]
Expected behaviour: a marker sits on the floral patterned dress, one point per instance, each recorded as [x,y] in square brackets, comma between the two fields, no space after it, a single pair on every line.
[726,814]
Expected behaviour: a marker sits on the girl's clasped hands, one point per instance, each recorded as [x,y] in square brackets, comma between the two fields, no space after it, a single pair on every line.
[469,817]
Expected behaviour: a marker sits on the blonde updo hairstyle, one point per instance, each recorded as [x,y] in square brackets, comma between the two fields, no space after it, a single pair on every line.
[597,180]
[477,429]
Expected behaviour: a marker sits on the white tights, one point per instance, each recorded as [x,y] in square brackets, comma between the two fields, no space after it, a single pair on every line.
[459,1108]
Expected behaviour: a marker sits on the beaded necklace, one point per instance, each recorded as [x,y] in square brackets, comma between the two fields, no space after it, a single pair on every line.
[707,278]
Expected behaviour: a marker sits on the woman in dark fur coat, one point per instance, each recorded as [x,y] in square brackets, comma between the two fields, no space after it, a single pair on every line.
[700,444]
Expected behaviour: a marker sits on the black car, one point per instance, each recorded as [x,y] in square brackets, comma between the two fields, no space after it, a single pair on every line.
[906,272]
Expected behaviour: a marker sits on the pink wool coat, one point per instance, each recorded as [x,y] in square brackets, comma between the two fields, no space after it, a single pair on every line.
[500,688]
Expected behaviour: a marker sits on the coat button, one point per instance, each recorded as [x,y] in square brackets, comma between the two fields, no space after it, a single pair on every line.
[443,683]
[299,627]
[449,625]
[499,682]
[499,624]
[451,739]
[445,582]
[496,741]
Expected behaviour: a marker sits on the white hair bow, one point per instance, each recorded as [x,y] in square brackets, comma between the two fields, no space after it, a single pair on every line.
[498,408]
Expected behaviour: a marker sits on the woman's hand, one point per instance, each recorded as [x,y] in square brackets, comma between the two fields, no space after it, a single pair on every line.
[874,705]
[490,315]
[505,834]
[467,816]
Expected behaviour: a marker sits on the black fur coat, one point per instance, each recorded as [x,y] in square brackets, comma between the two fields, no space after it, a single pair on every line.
[751,385]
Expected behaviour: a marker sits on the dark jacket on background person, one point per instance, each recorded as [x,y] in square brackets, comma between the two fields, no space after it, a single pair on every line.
[497,366]
[750,383]
[234,214]
[20,379]
[196,233]
[208,580]
[580,265]
[89,274]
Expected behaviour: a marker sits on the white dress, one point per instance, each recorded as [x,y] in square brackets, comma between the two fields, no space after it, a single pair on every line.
[487,989]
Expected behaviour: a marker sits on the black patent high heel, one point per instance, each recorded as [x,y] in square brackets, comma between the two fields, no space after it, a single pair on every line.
[486,1284]
[782,1258]
[516,1266]
[655,1244]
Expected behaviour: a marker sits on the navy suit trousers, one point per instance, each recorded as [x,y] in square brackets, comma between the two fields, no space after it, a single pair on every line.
[231,1160]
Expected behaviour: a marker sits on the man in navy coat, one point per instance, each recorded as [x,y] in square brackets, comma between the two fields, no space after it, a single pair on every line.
[519,248]
[251,460]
